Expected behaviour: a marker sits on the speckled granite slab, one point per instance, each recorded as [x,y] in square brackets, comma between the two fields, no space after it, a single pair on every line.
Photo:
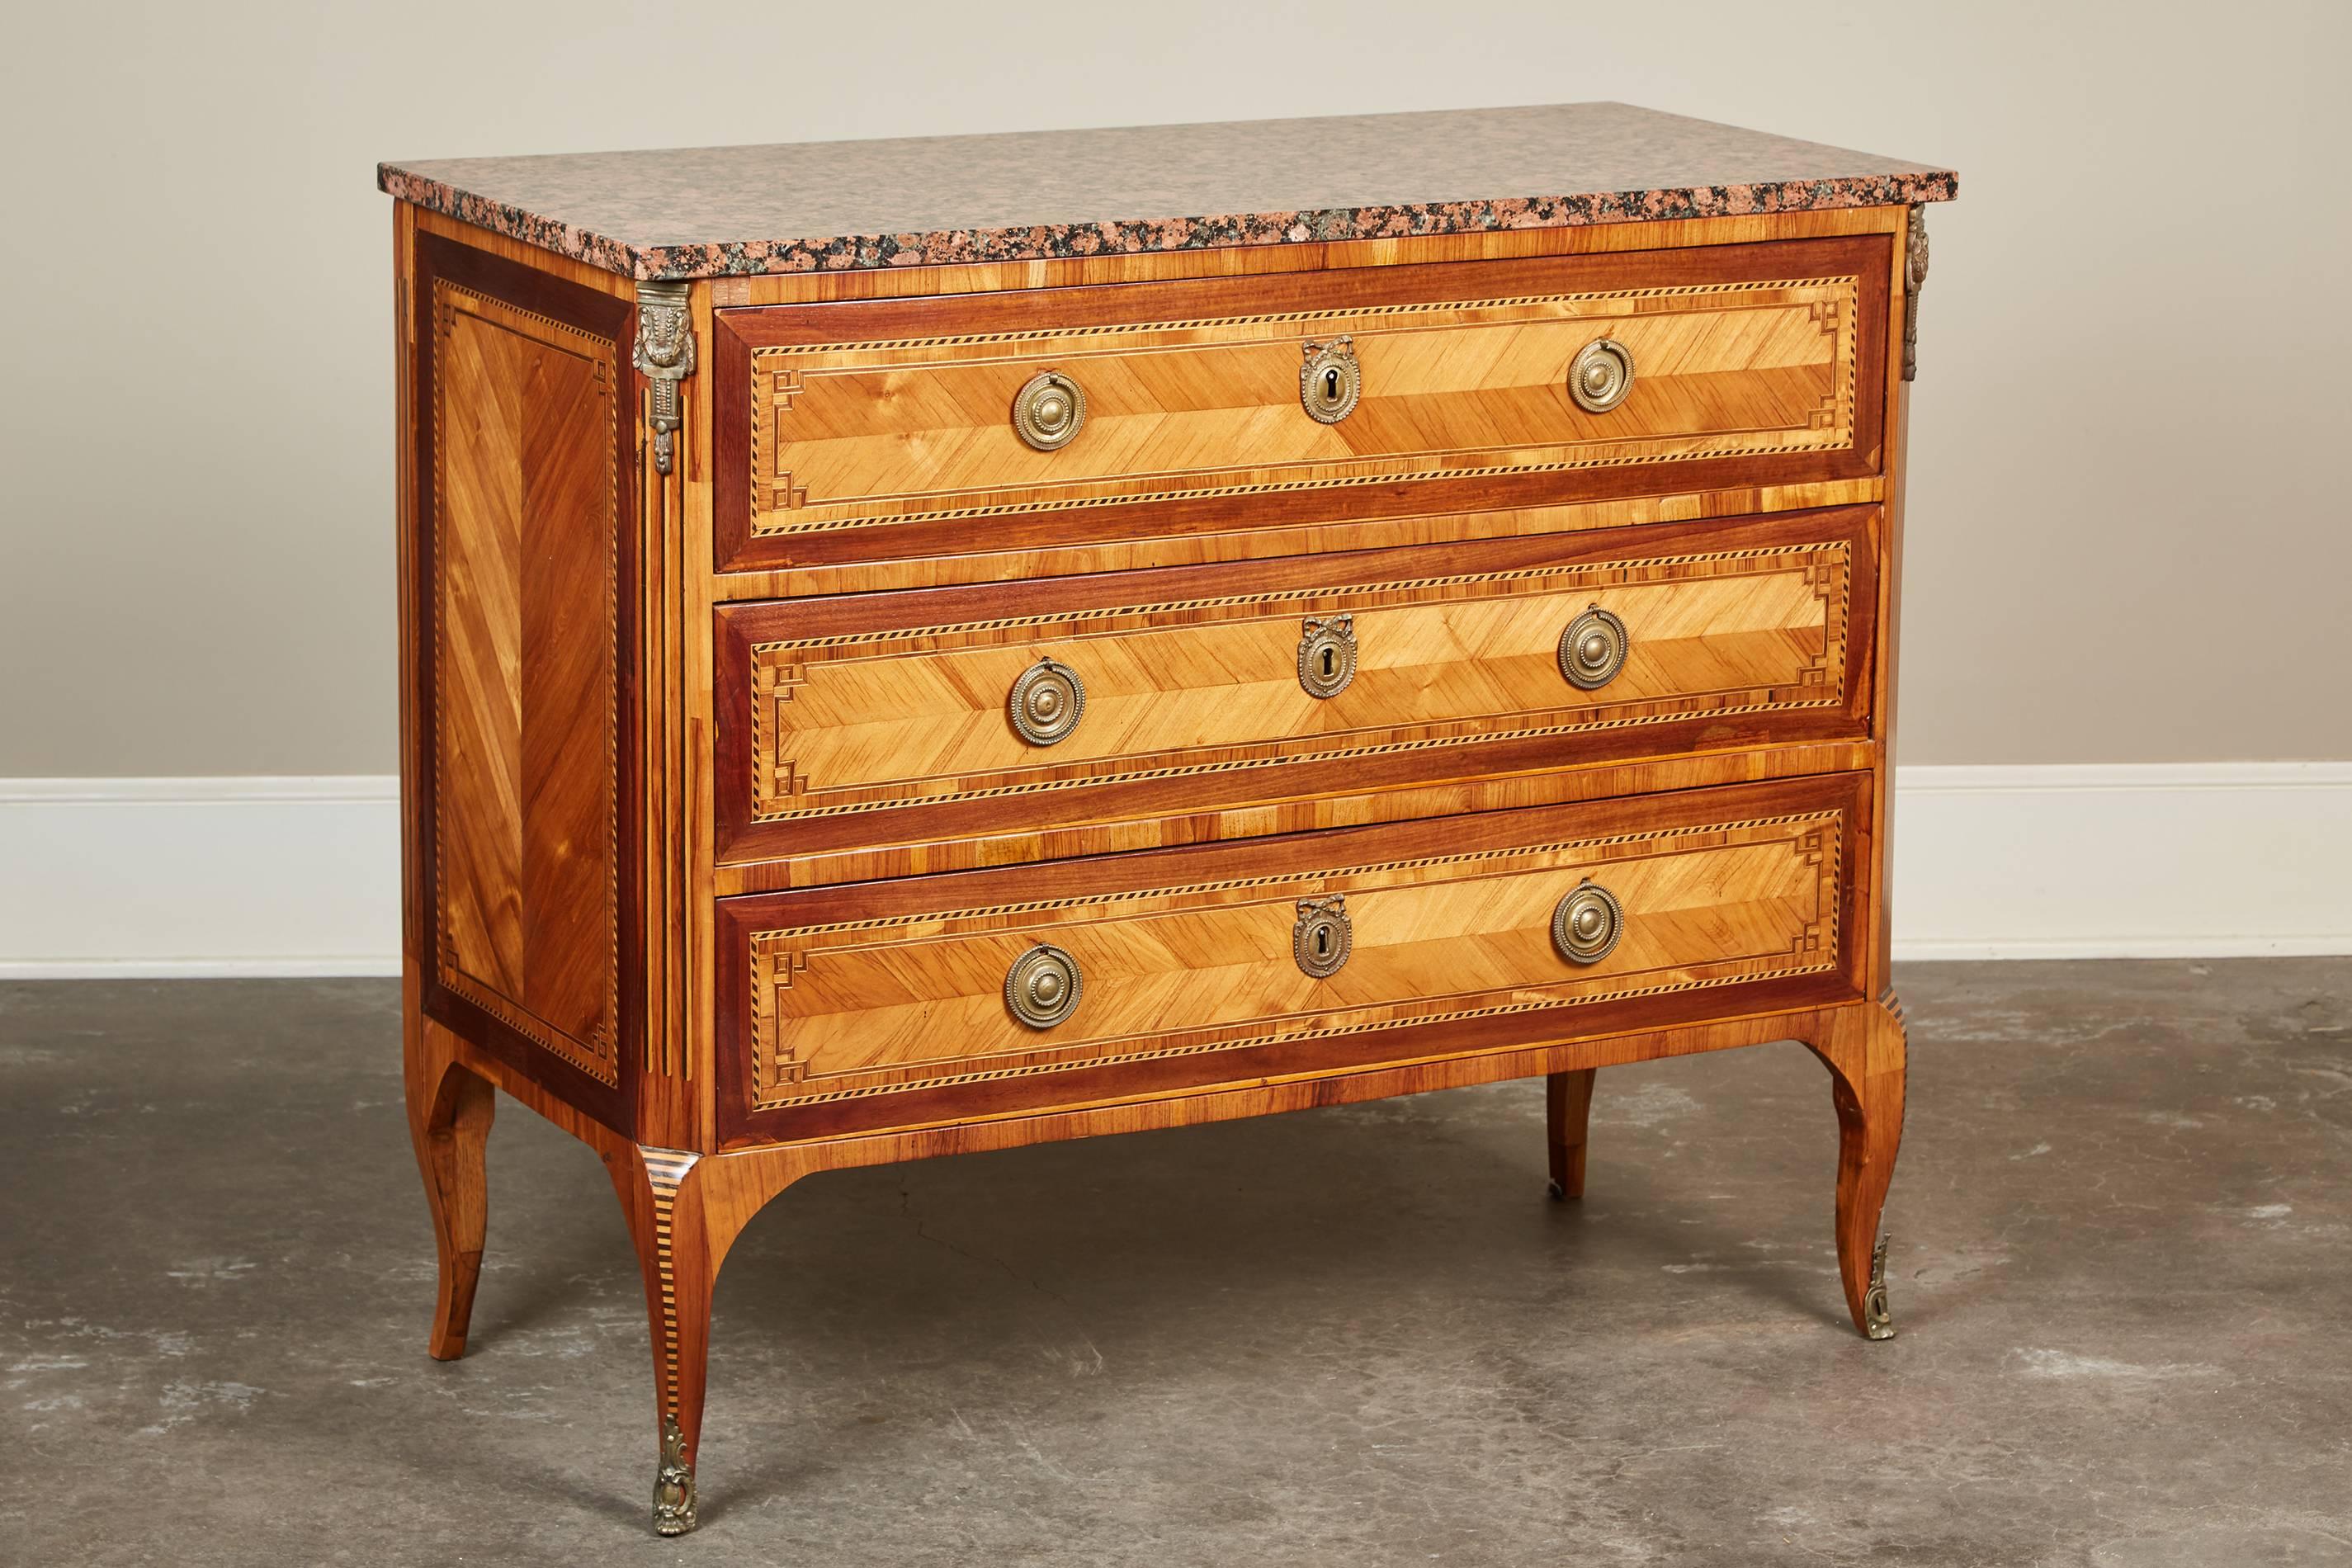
[710,212]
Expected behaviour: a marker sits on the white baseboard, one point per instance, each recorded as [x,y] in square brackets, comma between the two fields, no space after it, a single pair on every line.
[199,877]
[2150,860]
[300,875]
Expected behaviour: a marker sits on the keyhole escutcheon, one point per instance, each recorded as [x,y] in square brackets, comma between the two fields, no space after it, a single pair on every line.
[1323,936]
[1327,654]
[1330,380]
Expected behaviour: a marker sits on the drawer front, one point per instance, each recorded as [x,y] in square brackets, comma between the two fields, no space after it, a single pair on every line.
[889,719]
[881,430]
[887,1003]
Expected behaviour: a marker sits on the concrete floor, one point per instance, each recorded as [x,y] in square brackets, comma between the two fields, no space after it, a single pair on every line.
[2122,1274]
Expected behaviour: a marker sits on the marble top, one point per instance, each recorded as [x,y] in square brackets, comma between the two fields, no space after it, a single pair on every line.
[708,212]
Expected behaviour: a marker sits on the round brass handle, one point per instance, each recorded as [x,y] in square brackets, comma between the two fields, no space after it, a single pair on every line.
[1047,702]
[1042,988]
[1601,375]
[1049,411]
[1587,924]
[1330,381]
[1593,649]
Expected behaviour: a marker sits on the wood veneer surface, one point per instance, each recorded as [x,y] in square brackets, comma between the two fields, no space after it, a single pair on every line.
[720,870]
[881,1005]
[882,430]
[521,784]
[868,720]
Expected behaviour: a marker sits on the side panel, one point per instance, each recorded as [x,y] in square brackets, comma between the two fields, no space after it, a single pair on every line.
[520,589]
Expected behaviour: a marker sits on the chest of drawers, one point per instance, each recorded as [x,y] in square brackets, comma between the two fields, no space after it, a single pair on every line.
[1241,618]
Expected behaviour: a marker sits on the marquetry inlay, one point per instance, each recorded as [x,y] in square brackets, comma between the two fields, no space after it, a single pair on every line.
[860,722]
[852,434]
[863,1007]
[666,1171]
[526,792]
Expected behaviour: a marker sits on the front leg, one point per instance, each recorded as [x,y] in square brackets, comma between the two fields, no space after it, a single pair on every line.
[684,1211]
[1866,1058]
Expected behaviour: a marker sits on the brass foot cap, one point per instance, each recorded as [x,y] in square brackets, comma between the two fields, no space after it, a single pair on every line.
[673,1485]
[1877,1321]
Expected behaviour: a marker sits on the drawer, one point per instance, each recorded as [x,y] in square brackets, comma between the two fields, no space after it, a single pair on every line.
[885,430]
[874,722]
[892,1004]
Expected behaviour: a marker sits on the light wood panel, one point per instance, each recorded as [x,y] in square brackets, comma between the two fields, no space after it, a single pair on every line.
[861,723]
[850,1008]
[881,430]
[525,417]
[847,434]
[868,736]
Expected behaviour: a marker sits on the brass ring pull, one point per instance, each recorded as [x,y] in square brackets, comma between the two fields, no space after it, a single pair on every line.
[1593,649]
[1047,702]
[1601,375]
[1324,936]
[1049,411]
[1326,655]
[1042,986]
[1330,381]
[1587,923]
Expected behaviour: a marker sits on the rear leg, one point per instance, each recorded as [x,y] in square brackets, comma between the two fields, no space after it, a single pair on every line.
[1568,1108]
[449,1113]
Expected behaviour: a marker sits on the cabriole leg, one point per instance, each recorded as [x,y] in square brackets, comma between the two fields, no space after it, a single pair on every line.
[684,1213]
[449,1111]
[1866,1063]
[1568,1108]
[663,1206]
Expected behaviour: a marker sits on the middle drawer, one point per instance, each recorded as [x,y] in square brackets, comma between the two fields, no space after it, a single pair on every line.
[932,717]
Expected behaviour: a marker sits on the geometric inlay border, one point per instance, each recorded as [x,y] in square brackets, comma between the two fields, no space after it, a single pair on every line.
[779,792]
[778,381]
[778,1081]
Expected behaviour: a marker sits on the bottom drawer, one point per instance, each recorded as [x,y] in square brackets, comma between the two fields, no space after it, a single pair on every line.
[893,1004]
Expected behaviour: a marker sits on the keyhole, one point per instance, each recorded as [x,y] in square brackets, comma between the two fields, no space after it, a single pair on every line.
[1330,383]
[1322,941]
[1329,660]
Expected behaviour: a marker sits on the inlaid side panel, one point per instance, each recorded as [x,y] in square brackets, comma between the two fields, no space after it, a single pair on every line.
[1191,958]
[866,419]
[871,722]
[524,421]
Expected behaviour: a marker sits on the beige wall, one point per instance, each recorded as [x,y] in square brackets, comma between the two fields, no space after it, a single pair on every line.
[2128,540]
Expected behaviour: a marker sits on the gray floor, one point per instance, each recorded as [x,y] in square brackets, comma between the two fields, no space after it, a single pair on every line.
[2122,1274]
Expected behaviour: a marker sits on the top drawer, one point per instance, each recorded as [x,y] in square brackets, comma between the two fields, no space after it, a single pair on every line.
[887,430]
